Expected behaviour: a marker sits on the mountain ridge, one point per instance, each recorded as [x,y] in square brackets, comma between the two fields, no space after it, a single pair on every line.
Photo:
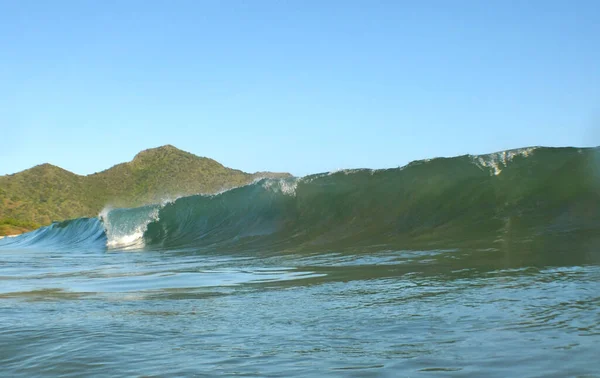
[44,193]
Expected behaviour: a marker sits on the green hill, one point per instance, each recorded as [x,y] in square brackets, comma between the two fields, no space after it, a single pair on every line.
[44,193]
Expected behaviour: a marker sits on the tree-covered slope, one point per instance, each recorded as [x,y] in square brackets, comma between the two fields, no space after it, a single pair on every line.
[44,193]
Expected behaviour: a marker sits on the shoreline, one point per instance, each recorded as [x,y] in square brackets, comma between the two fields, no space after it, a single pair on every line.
[8,236]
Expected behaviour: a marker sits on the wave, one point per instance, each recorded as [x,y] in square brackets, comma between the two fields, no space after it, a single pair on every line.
[76,233]
[521,193]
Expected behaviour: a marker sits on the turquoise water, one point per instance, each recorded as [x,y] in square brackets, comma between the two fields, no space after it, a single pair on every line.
[452,312]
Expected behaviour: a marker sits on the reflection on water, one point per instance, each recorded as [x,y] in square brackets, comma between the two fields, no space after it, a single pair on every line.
[508,309]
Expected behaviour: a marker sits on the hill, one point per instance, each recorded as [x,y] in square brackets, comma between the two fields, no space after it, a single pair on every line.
[44,193]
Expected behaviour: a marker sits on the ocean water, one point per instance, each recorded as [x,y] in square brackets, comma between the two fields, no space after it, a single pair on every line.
[473,266]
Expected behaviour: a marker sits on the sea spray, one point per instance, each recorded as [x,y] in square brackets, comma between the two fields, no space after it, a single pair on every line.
[125,227]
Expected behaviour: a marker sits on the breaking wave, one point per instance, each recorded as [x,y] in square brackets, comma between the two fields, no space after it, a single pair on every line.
[523,193]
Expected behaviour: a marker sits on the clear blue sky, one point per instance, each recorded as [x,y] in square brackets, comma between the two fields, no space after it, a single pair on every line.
[298,86]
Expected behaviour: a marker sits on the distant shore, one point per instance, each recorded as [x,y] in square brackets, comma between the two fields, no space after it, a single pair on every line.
[9,236]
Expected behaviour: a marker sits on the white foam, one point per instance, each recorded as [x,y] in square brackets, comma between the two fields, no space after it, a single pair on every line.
[283,186]
[497,161]
[350,171]
[134,240]
[128,233]
[311,178]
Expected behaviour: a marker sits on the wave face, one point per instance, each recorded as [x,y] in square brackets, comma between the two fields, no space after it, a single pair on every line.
[527,194]
[79,233]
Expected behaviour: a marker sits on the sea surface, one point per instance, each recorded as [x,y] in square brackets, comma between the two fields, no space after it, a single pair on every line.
[465,267]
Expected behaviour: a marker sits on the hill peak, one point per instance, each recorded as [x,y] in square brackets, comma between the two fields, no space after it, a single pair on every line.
[47,167]
[167,155]
[162,150]
[166,147]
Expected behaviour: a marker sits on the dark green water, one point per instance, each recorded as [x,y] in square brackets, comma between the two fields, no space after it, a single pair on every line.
[472,266]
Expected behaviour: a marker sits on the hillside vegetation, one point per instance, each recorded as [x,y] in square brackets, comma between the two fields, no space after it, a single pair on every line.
[45,193]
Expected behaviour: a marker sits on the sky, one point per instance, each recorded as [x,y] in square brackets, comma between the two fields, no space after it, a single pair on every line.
[298,86]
